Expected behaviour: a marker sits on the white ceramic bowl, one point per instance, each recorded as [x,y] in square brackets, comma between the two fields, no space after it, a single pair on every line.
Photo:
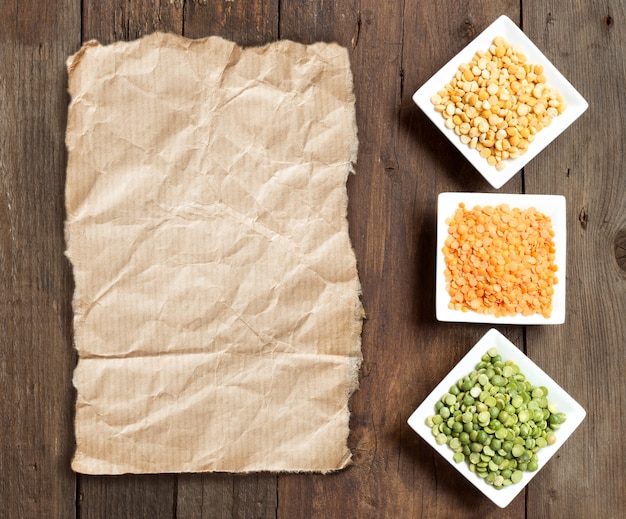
[504,27]
[556,395]
[550,205]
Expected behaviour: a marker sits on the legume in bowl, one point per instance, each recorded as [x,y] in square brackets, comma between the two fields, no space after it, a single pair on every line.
[500,101]
[497,418]
[501,258]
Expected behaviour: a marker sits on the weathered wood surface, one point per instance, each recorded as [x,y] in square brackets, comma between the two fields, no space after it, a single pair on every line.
[403,163]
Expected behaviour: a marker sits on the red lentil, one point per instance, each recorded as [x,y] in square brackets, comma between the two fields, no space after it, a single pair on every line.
[500,261]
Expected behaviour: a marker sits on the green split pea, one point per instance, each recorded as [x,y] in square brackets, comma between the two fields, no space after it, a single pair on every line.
[496,421]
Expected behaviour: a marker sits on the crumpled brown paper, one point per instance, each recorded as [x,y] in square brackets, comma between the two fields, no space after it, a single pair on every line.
[216,309]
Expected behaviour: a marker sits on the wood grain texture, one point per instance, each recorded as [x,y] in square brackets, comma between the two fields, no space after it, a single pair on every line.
[252,22]
[586,355]
[226,495]
[123,20]
[403,164]
[36,358]
[127,497]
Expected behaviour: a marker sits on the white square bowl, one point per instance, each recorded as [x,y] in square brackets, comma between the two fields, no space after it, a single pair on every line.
[550,205]
[556,395]
[504,27]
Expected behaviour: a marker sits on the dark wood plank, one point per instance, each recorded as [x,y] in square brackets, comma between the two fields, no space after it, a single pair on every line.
[128,496]
[586,355]
[114,20]
[403,163]
[225,495]
[36,356]
[247,23]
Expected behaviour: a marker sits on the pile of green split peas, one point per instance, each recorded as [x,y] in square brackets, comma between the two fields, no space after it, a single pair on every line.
[496,421]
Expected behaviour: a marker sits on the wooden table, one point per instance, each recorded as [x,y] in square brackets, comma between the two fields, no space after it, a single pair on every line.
[403,163]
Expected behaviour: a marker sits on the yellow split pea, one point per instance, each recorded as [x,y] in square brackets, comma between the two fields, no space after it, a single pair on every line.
[498,102]
[500,261]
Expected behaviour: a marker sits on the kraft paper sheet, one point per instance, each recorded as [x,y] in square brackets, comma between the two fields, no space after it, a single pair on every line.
[217,316]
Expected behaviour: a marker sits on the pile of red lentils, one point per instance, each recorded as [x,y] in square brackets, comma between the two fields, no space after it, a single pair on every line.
[500,261]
